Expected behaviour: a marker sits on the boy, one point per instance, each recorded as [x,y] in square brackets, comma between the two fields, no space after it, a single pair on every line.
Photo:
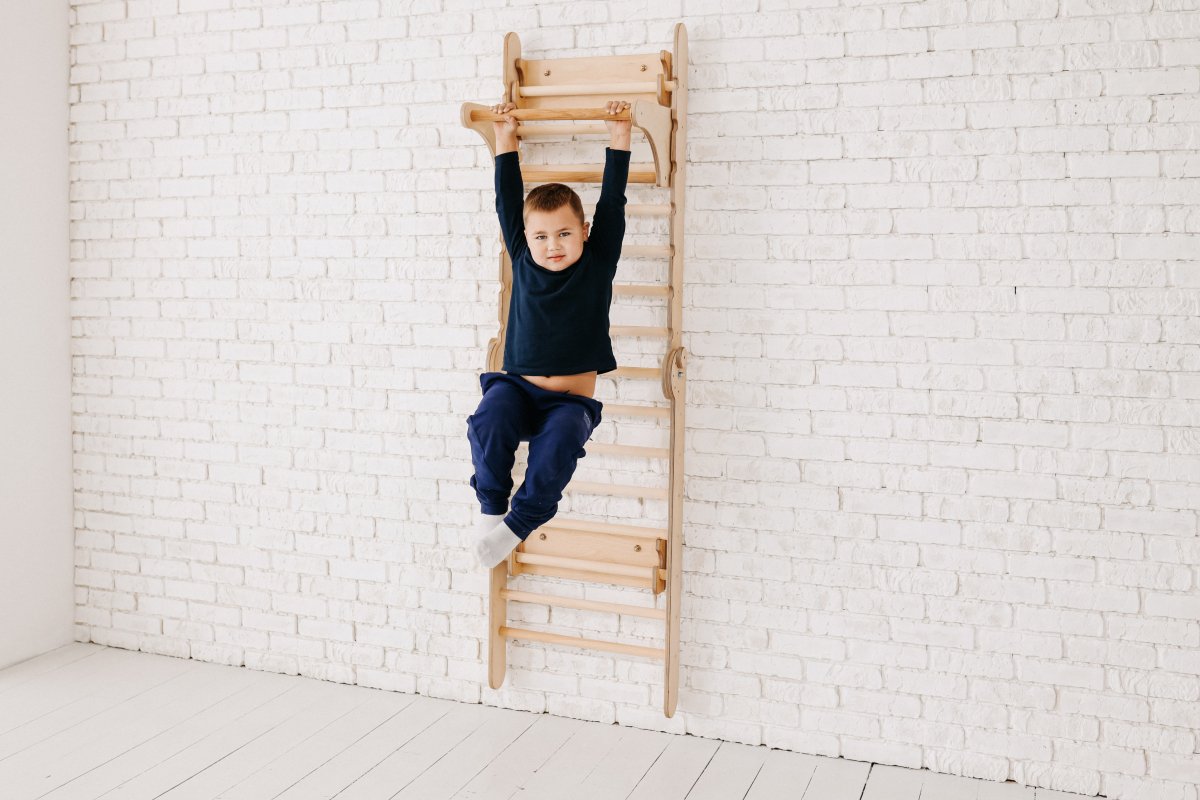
[557,340]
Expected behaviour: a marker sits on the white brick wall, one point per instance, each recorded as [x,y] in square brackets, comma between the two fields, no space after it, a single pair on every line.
[943,470]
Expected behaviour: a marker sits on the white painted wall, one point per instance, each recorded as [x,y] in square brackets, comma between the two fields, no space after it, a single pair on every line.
[36,595]
[943,470]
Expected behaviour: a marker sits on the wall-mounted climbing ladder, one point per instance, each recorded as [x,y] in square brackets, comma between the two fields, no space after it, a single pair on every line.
[571,91]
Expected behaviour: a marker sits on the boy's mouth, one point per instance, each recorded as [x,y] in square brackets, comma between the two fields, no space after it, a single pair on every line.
[555,258]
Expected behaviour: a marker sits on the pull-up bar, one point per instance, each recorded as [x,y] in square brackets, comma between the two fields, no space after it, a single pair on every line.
[549,113]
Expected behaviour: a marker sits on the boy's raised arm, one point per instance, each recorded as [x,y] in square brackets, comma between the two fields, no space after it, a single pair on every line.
[608,223]
[510,189]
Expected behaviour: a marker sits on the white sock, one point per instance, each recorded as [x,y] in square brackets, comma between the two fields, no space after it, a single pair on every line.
[485,522]
[495,546]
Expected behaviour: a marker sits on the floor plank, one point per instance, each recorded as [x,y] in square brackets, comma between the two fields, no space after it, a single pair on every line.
[157,778]
[503,777]
[500,728]
[408,717]
[677,769]
[783,774]
[170,736]
[887,782]
[17,674]
[837,779]
[562,770]
[730,773]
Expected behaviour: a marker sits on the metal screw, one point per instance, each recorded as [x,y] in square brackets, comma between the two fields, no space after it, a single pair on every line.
[637,548]
[542,536]
[546,73]
[643,67]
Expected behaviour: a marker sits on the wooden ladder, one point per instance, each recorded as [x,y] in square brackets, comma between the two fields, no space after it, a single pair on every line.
[569,90]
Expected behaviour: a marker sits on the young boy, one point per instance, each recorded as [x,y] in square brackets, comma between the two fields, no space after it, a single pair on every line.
[557,340]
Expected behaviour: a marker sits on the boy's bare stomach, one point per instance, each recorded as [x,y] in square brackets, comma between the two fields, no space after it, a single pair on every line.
[583,383]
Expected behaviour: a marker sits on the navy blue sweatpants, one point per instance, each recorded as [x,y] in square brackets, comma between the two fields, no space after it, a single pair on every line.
[556,425]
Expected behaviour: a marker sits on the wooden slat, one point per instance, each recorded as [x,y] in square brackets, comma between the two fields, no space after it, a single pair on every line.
[640,531]
[637,209]
[582,565]
[641,290]
[613,409]
[582,173]
[641,373]
[568,129]
[646,251]
[479,115]
[628,450]
[584,605]
[637,330]
[575,641]
[617,490]
[648,581]
[648,210]
[558,90]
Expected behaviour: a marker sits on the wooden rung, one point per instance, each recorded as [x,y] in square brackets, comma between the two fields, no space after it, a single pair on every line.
[641,290]
[565,89]
[485,115]
[646,251]
[584,565]
[637,330]
[586,526]
[575,641]
[649,581]
[638,209]
[582,173]
[617,490]
[635,411]
[584,605]
[641,373]
[567,129]
[647,209]
[628,450]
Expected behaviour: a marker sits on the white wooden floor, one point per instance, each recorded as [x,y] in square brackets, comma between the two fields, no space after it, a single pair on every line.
[85,721]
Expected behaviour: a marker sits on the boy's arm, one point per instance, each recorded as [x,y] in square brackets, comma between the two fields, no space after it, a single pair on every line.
[510,200]
[608,223]
[510,189]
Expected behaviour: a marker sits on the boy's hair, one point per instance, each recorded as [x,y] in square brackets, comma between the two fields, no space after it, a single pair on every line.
[551,197]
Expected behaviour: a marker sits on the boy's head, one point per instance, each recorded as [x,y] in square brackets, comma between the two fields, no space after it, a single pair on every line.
[554,226]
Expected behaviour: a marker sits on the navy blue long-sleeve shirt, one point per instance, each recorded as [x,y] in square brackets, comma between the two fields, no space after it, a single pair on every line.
[558,321]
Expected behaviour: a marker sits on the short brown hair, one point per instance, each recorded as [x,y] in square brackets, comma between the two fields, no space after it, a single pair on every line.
[551,197]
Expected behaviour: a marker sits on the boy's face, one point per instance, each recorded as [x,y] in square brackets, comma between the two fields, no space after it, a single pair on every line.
[555,237]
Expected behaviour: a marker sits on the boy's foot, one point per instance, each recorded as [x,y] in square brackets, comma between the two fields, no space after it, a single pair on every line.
[484,523]
[495,546]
